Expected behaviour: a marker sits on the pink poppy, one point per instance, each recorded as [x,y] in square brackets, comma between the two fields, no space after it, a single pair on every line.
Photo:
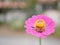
[40,25]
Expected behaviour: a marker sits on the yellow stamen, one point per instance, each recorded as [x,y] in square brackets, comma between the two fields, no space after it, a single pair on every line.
[40,23]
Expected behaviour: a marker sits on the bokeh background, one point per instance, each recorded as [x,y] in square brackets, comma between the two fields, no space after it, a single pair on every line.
[13,14]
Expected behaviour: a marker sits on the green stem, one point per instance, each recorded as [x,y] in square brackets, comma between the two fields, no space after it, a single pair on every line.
[40,40]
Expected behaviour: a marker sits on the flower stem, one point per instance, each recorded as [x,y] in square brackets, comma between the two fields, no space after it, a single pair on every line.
[40,40]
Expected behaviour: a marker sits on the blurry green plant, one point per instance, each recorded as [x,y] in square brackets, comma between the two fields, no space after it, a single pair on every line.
[16,24]
[57,34]
[31,3]
[1,23]
[15,19]
[2,19]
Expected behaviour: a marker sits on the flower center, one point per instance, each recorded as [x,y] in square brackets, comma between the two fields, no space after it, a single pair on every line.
[40,25]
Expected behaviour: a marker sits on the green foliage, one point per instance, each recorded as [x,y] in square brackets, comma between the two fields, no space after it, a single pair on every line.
[1,23]
[31,3]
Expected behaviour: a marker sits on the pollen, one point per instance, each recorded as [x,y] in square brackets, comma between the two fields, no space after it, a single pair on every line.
[40,25]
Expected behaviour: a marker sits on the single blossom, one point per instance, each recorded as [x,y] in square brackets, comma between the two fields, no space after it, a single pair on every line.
[40,25]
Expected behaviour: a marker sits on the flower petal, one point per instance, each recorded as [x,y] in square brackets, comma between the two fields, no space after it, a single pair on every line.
[49,31]
[30,22]
[33,32]
[51,25]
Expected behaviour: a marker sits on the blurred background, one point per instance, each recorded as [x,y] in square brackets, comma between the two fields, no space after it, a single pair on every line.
[13,14]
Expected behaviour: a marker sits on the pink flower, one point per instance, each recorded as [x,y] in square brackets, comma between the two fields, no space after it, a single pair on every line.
[40,26]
